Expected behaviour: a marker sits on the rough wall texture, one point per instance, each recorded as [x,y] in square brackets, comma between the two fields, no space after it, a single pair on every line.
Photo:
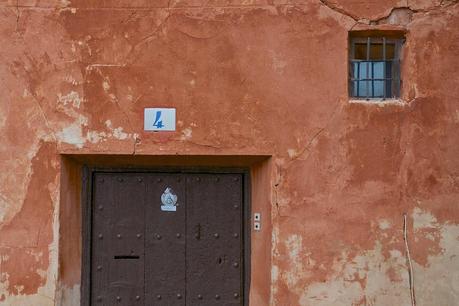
[247,77]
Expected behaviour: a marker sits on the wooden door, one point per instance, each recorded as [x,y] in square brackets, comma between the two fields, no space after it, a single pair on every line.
[172,239]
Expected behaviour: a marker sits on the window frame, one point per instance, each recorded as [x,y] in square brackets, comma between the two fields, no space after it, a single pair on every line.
[394,81]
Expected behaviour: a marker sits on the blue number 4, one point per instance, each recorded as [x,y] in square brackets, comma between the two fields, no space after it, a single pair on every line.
[158,122]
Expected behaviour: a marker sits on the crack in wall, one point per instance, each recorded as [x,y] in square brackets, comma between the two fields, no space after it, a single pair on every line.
[147,38]
[339,10]
[171,7]
[383,20]
[316,135]
[18,13]
[137,141]
[394,11]
[47,124]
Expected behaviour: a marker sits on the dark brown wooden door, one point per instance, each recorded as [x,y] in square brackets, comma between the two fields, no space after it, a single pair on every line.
[167,239]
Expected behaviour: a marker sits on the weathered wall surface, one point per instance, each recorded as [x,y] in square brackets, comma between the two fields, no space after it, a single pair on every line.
[246,77]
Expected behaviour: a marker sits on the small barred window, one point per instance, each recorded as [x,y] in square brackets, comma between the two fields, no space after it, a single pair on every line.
[374,70]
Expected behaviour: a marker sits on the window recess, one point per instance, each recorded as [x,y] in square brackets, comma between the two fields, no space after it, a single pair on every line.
[374,68]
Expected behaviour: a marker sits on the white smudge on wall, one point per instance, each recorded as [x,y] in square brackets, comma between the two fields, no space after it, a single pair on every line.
[385,279]
[72,98]
[371,268]
[422,219]
[437,283]
[72,134]
[68,296]
[3,207]
[186,134]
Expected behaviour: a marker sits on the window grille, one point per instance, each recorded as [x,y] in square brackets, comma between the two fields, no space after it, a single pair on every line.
[374,68]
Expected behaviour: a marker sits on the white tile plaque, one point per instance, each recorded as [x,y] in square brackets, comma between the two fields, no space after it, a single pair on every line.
[159,119]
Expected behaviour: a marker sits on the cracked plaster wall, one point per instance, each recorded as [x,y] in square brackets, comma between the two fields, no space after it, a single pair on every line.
[246,77]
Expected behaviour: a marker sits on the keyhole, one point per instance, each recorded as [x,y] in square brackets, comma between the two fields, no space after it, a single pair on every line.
[220,260]
[198,231]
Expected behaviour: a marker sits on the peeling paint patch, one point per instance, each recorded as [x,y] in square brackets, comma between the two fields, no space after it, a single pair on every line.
[371,269]
[96,137]
[3,206]
[384,224]
[336,293]
[106,86]
[70,79]
[438,283]
[28,271]
[278,63]
[119,134]
[423,219]
[300,264]
[116,133]
[275,252]
[186,134]
[291,153]
[377,277]
[69,296]
[72,98]
[72,135]
[26,93]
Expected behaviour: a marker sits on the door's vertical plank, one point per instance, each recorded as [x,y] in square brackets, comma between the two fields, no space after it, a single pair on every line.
[118,233]
[165,241]
[215,239]
[86,211]
[126,238]
[103,195]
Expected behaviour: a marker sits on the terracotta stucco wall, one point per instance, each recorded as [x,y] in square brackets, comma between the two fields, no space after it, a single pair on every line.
[261,77]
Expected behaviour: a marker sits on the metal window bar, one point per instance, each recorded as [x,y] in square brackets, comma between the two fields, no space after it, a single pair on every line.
[396,68]
[358,78]
[372,79]
[352,72]
[384,68]
[368,67]
[371,61]
[376,79]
